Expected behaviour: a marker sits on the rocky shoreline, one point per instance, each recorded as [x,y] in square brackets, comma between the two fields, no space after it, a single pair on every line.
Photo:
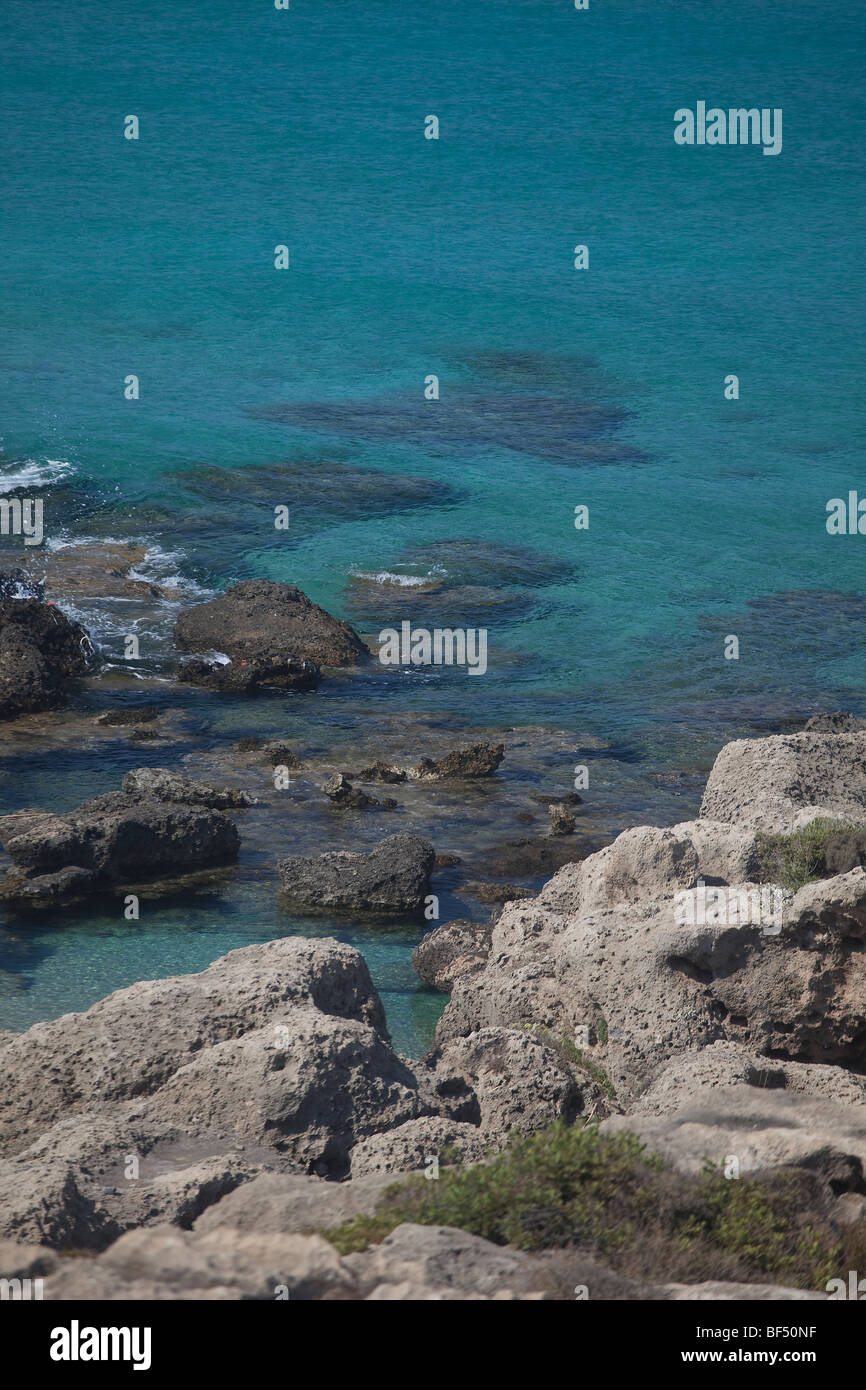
[701,987]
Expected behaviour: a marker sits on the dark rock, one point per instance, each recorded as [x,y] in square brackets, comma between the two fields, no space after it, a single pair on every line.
[531,858]
[381,772]
[393,877]
[243,678]
[340,792]
[280,754]
[497,892]
[161,784]
[269,625]
[561,820]
[839,722]
[478,760]
[128,714]
[40,651]
[569,799]
[113,838]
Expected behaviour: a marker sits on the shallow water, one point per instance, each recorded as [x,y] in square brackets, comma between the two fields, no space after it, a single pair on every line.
[558,388]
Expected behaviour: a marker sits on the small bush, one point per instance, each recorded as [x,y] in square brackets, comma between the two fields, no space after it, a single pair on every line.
[570,1187]
[795,859]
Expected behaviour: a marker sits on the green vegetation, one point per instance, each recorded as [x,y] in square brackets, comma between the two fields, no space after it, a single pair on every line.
[573,1056]
[795,859]
[570,1187]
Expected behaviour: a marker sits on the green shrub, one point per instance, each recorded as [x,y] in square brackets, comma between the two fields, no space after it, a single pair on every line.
[795,859]
[569,1187]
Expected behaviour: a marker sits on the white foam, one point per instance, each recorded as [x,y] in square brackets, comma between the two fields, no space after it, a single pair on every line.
[403,581]
[35,473]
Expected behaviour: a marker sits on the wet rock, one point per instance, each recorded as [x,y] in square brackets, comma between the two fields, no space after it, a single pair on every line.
[161,784]
[393,877]
[839,722]
[115,838]
[245,678]
[381,772]
[497,892]
[340,792]
[271,626]
[127,714]
[561,820]
[454,949]
[478,760]
[532,858]
[41,650]
[279,754]
[567,799]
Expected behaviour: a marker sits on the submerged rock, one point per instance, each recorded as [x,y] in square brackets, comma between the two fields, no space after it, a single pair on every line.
[561,820]
[393,877]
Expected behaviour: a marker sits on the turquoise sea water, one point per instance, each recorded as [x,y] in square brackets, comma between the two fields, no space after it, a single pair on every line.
[455,257]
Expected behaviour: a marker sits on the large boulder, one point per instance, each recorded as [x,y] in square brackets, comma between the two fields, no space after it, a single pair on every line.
[309,1094]
[40,650]
[119,837]
[161,784]
[270,627]
[505,1082]
[758,1128]
[454,949]
[642,983]
[133,1042]
[274,1059]
[393,877]
[775,784]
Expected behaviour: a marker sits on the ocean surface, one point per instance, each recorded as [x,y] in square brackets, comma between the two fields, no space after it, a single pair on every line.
[558,388]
